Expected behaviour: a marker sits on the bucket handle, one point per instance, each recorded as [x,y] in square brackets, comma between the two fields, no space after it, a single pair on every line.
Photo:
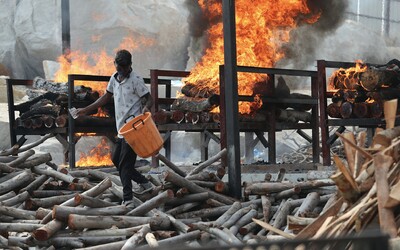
[129,117]
[140,120]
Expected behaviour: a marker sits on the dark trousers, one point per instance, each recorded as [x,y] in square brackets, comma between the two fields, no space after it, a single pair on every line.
[124,159]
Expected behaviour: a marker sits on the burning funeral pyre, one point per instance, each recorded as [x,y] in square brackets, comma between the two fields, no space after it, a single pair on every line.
[360,91]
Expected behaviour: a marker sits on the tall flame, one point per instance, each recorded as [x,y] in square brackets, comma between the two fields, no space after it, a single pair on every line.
[99,63]
[262,26]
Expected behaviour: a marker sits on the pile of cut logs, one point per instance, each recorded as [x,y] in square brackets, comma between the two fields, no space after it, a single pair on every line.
[361,94]
[196,105]
[50,207]
[48,102]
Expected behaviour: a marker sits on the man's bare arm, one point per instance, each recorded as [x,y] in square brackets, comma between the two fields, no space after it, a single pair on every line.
[103,100]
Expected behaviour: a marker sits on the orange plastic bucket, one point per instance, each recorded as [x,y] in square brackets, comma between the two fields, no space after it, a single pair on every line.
[142,135]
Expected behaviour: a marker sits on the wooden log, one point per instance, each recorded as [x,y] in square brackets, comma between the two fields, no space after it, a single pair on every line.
[308,205]
[293,116]
[162,117]
[36,160]
[169,164]
[182,182]
[45,170]
[385,137]
[48,121]
[333,110]
[346,110]
[19,181]
[129,231]
[35,184]
[35,203]
[203,176]
[152,203]
[195,90]
[180,239]
[7,196]
[41,213]
[182,208]
[16,200]
[228,213]
[18,227]
[22,158]
[220,234]
[359,158]
[61,121]
[178,225]
[29,146]
[135,239]
[49,193]
[390,111]
[394,196]
[192,117]
[296,223]
[267,188]
[208,162]
[245,219]
[151,240]
[214,203]
[61,213]
[375,109]
[273,229]
[76,221]
[195,104]
[361,110]
[17,213]
[236,216]
[160,223]
[266,207]
[287,193]
[88,201]
[100,175]
[386,216]
[374,78]
[46,231]
[205,117]
[178,116]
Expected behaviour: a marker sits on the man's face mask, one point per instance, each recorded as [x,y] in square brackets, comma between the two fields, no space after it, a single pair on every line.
[122,71]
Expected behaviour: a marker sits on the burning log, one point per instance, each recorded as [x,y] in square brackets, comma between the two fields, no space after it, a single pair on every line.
[197,91]
[196,104]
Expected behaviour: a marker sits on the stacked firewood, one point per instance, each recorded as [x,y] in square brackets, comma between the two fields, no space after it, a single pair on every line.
[44,205]
[361,91]
[199,105]
[48,102]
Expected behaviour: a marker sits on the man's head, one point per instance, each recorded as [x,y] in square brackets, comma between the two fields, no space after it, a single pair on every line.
[123,58]
[123,62]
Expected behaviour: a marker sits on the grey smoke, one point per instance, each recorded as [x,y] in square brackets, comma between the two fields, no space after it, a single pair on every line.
[302,48]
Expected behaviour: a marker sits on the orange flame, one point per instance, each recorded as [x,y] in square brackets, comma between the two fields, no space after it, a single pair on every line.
[99,63]
[348,78]
[262,26]
[98,156]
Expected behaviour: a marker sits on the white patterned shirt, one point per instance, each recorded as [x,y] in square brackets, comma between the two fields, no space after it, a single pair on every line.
[127,96]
